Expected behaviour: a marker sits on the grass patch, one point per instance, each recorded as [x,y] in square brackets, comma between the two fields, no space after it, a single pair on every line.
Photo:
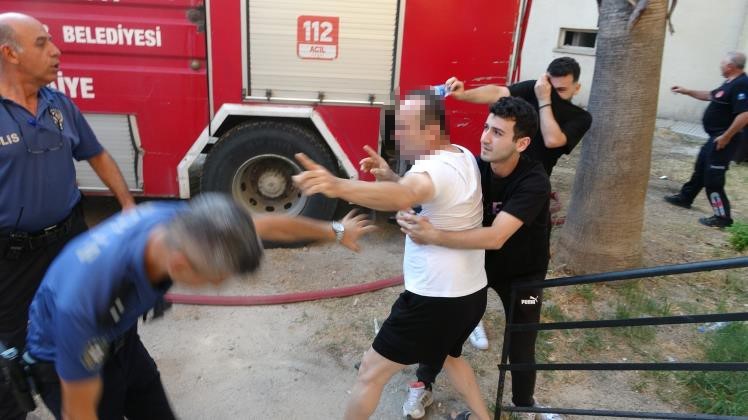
[543,346]
[590,340]
[586,292]
[723,393]
[739,235]
[554,313]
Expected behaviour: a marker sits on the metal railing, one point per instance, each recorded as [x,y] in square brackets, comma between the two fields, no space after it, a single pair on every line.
[607,323]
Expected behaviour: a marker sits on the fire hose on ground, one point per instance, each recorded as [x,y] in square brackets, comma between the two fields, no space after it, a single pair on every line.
[277,299]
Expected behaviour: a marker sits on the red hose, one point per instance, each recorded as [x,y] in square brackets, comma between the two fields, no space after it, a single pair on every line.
[283,298]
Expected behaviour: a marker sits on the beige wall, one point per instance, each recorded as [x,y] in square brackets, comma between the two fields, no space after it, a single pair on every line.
[704,31]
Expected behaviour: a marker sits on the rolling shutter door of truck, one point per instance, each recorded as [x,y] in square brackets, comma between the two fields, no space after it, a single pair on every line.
[118,134]
[341,50]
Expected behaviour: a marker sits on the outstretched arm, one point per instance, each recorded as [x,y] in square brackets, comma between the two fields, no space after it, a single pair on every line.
[702,95]
[487,94]
[294,229]
[409,191]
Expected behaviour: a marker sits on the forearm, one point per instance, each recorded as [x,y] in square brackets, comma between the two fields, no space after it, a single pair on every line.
[80,414]
[487,94]
[702,95]
[553,137]
[80,399]
[106,169]
[293,229]
[384,196]
[738,124]
[480,238]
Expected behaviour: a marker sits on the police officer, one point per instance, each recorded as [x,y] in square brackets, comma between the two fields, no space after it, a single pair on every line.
[41,131]
[82,322]
[724,118]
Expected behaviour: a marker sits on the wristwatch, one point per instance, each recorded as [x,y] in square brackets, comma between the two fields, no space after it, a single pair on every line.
[339,230]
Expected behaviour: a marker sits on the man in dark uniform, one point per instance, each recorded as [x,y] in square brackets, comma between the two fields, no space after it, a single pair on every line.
[724,118]
[41,131]
[515,219]
[83,348]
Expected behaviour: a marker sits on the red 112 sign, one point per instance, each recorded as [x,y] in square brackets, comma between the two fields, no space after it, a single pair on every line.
[317,37]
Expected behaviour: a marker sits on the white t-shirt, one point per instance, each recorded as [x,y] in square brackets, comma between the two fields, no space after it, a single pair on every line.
[436,271]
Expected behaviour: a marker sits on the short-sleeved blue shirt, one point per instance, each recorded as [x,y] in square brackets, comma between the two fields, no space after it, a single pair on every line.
[70,321]
[37,173]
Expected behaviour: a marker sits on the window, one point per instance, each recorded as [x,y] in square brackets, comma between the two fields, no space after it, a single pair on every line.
[579,41]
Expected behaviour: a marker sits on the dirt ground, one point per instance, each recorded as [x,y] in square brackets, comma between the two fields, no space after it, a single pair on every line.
[297,361]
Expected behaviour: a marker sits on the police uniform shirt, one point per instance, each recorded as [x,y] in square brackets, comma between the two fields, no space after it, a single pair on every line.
[80,308]
[573,121]
[37,173]
[725,103]
[525,195]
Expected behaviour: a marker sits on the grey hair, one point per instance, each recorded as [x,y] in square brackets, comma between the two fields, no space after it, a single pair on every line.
[216,235]
[737,59]
[7,34]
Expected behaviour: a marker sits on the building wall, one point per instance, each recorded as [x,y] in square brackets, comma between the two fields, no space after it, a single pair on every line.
[704,32]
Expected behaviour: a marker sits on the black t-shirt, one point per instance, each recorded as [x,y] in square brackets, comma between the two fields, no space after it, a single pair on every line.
[726,102]
[573,121]
[524,194]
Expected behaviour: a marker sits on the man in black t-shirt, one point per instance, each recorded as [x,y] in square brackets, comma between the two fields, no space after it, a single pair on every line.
[515,218]
[724,118]
[562,124]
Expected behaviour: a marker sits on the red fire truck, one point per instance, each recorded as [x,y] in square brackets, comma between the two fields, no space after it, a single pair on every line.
[220,94]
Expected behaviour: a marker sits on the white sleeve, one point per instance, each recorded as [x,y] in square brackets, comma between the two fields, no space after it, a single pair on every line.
[437,170]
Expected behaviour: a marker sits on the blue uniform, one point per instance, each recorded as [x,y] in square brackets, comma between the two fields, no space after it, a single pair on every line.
[39,210]
[94,292]
[37,173]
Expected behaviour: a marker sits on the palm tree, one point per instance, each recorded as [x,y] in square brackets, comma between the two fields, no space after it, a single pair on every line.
[603,228]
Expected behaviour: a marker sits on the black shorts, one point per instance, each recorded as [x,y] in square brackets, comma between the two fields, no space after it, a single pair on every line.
[422,329]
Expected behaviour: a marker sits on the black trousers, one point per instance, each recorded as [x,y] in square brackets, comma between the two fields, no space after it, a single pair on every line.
[19,279]
[709,173]
[132,386]
[526,309]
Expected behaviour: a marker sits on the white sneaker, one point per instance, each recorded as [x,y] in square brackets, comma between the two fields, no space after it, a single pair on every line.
[418,399]
[478,337]
[537,416]
[523,416]
[546,416]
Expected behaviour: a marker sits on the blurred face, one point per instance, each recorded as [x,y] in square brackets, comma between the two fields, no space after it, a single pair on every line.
[412,139]
[565,86]
[182,271]
[496,142]
[38,58]
[726,68]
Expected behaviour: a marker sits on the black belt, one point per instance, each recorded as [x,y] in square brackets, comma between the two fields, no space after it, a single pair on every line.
[16,243]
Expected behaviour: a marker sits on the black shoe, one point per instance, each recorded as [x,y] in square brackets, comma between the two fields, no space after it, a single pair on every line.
[715,221]
[678,200]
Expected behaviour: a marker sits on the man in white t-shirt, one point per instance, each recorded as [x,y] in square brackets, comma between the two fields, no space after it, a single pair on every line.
[445,289]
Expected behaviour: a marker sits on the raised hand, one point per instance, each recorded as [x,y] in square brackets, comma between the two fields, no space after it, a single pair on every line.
[356,226]
[377,166]
[455,87]
[543,89]
[316,179]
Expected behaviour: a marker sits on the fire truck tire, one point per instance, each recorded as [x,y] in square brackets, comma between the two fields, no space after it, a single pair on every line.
[254,162]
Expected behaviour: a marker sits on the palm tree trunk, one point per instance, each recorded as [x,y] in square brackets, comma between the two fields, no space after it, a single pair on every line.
[603,227]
